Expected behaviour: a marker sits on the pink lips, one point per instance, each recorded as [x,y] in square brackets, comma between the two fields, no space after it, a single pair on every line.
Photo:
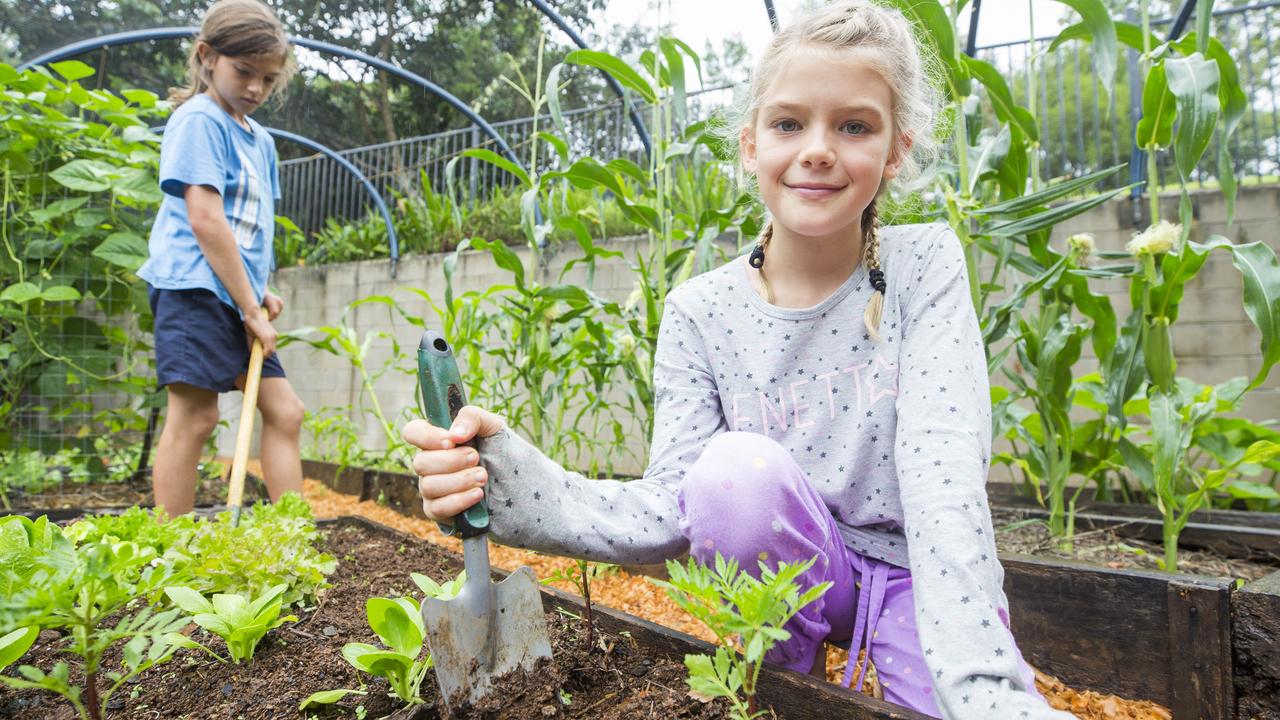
[815,191]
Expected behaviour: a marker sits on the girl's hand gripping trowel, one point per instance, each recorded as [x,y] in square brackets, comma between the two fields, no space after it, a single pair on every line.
[489,629]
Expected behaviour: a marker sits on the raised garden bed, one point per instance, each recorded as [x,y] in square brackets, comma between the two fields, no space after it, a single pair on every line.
[78,497]
[635,671]
[1198,645]
[1231,533]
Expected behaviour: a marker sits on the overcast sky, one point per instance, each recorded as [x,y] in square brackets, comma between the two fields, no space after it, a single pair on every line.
[699,21]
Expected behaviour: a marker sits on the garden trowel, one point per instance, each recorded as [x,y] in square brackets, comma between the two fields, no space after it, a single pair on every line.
[489,629]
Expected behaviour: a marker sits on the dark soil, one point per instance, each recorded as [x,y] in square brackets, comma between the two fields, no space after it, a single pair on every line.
[210,490]
[1104,547]
[615,679]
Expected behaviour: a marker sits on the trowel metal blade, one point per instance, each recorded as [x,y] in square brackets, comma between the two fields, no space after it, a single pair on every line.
[470,652]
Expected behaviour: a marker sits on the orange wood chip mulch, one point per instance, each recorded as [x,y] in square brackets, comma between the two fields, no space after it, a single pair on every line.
[636,595]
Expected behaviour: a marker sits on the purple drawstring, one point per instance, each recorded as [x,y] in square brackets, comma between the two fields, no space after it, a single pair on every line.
[870,602]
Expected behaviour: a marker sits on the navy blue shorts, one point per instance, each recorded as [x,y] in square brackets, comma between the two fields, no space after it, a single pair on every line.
[201,341]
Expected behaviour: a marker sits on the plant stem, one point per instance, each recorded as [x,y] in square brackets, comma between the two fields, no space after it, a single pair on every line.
[586,598]
[962,132]
[91,694]
[1170,534]
[1153,193]
[1031,94]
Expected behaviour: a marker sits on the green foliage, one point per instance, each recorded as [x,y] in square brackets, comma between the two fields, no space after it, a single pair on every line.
[745,613]
[398,624]
[92,592]
[77,176]
[95,583]
[14,644]
[330,435]
[274,544]
[240,620]
[342,340]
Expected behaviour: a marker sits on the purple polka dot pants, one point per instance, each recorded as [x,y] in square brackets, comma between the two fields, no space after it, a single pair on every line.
[747,499]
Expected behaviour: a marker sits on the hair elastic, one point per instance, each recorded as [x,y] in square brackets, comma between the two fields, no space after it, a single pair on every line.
[757,257]
[877,279]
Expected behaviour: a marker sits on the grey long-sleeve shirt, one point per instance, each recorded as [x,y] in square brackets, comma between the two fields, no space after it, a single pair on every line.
[894,434]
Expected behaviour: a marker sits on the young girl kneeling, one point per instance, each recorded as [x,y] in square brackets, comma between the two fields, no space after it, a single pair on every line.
[826,396]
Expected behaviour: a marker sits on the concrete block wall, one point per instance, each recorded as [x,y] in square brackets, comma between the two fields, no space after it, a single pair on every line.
[1213,337]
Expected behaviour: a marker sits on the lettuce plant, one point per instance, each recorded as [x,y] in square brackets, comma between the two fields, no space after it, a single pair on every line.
[746,614]
[398,624]
[239,620]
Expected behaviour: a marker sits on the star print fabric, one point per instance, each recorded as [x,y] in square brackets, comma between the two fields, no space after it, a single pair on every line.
[894,435]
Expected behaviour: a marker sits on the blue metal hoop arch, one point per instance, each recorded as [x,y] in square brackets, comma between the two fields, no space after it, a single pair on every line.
[328,152]
[136,36]
[636,121]
[346,164]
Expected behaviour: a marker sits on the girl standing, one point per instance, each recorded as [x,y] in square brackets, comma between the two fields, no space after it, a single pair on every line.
[826,396]
[211,251]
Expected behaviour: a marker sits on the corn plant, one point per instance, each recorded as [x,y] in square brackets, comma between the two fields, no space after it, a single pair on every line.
[240,620]
[343,340]
[746,614]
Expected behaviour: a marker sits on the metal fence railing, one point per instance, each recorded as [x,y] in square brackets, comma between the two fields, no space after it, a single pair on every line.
[1080,130]
[315,188]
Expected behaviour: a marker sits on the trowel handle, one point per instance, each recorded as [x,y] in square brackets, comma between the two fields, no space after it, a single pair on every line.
[443,396]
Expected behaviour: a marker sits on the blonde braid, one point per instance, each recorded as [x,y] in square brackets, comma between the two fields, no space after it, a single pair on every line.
[871,257]
[757,259]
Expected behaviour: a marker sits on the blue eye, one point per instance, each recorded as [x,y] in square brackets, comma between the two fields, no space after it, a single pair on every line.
[855,128]
[787,125]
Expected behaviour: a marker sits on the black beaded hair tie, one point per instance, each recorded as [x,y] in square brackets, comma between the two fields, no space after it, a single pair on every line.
[757,257]
[877,279]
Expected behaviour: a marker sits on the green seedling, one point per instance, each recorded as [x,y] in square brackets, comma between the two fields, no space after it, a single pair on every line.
[746,614]
[398,624]
[239,620]
[579,575]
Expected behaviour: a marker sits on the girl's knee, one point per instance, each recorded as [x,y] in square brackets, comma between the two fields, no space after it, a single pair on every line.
[742,468]
[731,496]
[195,423]
[285,412]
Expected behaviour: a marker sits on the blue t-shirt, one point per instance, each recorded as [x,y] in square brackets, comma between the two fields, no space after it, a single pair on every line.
[203,145]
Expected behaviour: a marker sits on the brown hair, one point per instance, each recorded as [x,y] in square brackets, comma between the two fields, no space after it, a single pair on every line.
[907,68]
[238,29]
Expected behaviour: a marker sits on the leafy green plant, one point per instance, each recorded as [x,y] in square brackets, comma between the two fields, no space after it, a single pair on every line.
[14,644]
[398,624]
[240,620]
[343,340]
[1180,487]
[92,592]
[745,613]
[274,544]
[79,188]
[331,435]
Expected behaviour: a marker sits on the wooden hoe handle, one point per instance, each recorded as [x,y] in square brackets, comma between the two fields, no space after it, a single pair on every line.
[244,433]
